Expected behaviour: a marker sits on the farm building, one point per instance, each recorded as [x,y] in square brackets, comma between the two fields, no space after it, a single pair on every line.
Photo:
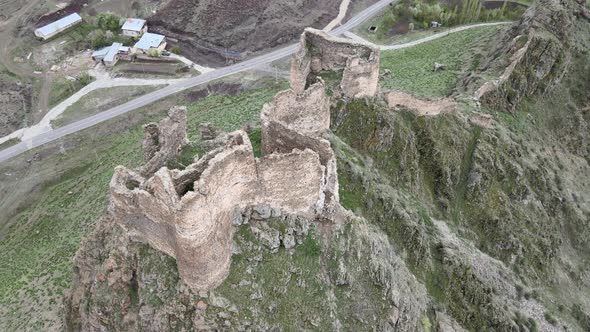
[111,54]
[134,27]
[58,26]
[150,41]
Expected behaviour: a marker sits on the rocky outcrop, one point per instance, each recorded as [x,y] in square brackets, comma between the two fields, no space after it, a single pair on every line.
[319,52]
[162,141]
[538,49]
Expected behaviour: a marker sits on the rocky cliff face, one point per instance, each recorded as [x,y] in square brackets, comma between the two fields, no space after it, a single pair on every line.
[534,56]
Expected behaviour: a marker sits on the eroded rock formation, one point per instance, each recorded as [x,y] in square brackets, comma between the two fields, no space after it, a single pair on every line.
[538,49]
[319,51]
[188,214]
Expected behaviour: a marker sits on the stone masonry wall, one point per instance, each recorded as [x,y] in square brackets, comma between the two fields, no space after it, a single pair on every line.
[319,52]
[189,214]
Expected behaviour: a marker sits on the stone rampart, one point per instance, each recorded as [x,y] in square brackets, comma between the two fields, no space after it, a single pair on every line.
[189,214]
[319,52]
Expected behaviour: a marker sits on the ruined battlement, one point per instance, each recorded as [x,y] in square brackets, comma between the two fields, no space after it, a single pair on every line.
[189,214]
[319,52]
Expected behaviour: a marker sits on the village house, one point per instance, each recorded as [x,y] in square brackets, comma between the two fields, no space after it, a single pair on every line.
[133,27]
[111,54]
[58,26]
[150,41]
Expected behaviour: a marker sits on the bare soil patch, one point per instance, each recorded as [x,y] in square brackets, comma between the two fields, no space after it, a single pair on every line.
[207,29]
[15,106]
[421,107]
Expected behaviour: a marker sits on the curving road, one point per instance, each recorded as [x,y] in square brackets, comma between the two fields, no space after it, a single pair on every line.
[149,98]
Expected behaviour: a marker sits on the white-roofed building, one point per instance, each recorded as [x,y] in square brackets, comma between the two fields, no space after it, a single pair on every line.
[150,41]
[110,54]
[134,27]
[58,26]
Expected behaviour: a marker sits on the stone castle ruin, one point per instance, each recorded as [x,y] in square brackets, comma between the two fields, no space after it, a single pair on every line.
[319,51]
[189,214]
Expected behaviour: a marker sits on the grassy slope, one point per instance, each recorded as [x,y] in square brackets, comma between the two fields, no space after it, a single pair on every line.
[44,237]
[411,68]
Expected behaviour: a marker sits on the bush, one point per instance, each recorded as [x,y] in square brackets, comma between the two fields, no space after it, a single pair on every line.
[154,53]
[98,39]
[175,49]
[108,21]
[85,78]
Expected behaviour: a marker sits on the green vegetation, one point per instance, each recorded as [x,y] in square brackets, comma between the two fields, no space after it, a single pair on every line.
[285,284]
[105,31]
[64,87]
[45,234]
[154,52]
[411,68]
[108,21]
[175,49]
[256,140]
[9,143]
[412,19]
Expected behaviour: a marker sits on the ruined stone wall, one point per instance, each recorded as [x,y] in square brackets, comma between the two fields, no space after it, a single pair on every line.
[162,141]
[319,52]
[195,226]
[189,214]
[300,121]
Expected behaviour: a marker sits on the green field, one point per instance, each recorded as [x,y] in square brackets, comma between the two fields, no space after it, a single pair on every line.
[412,68]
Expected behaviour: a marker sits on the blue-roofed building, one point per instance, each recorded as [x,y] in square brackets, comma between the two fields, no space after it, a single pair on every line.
[150,41]
[58,26]
[134,27]
[111,54]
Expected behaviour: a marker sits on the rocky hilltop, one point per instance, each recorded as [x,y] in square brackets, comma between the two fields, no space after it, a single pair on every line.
[348,212]
[534,56]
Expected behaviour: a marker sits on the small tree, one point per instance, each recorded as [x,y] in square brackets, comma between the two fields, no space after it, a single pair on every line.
[108,21]
[175,49]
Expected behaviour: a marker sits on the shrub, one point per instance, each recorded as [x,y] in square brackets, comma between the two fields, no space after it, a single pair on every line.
[97,39]
[175,49]
[108,21]
[154,53]
[85,78]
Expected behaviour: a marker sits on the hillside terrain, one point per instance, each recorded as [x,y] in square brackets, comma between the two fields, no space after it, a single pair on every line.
[207,29]
[466,193]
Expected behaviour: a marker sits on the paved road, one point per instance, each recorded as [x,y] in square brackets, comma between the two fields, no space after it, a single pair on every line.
[152,97]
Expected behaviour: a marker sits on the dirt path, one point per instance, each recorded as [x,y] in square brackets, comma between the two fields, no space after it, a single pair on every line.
[341,14]
[422,40]
[43,98]
[420,107]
